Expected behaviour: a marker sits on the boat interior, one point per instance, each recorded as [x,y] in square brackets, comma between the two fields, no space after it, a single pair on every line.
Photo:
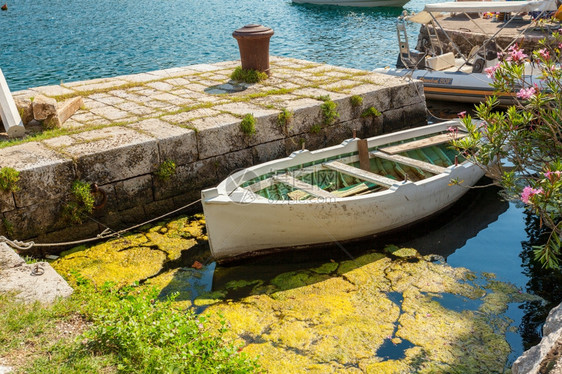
[365,171]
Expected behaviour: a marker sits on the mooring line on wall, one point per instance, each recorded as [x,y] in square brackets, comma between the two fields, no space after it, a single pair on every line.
[105,234]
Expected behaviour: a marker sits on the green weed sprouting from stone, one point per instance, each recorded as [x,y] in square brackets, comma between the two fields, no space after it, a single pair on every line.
[356,101]
[247,75]
[284,118]
[329,112]
[9,178]
[248,124]
[371,112]
[165,170]
[315,129]
[81,203]
[8,226]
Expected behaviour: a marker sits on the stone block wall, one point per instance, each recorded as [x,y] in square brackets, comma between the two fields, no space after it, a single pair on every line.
[204,141]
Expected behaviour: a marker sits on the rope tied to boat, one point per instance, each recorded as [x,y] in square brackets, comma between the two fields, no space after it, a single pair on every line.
[107,233]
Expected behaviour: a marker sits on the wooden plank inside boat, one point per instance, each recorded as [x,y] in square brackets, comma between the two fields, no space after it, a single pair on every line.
[422,143]
[363,150]
[261,185]
[298,184]
[422,165]
[361,174]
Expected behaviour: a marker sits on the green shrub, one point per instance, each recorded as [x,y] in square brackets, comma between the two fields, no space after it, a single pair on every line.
[149,336]
[371,112]
[248,75]
[165,170]
[248,125]
[284,118]
[81,203]
[9,178]
[329,112]
[315,129]
[356,101]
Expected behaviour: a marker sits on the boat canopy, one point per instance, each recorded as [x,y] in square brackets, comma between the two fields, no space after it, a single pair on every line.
[492,6]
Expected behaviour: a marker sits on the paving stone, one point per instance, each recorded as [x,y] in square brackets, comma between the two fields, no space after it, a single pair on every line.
[100,86]
[139,78]
[160,86]
[174,143]
[169,98]
[204,67]
[318,92]
[184,118]
[135,108]
[175,72]
[177,81]
[44,173]
[112,154]
[90,103]
[110,113]
[54,90]
[110,100]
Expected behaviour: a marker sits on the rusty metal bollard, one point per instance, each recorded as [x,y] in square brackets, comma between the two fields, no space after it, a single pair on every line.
[253,42]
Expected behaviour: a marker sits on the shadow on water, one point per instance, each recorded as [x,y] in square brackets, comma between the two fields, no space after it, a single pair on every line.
[391,349]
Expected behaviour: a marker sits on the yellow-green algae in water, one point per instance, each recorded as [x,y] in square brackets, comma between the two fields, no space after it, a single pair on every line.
[329,319]
[137,257]
[333,318]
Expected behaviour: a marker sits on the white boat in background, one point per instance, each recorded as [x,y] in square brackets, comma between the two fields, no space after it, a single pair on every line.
[356,3]
[354,190]
[453,76]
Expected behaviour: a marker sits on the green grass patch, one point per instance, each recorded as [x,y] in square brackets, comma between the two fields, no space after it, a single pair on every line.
[329,112]
[110,329]
[248,125]
[248,75]
[9,178]
[165,170]
[80,204]
[356,101]
[371,112]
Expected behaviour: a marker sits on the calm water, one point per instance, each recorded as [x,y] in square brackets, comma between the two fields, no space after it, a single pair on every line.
[48,41]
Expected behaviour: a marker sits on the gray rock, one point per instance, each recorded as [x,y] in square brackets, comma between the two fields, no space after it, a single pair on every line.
[43,107]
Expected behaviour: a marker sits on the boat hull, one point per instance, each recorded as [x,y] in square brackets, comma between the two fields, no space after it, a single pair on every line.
[453,86]
[356,3]
[241,225]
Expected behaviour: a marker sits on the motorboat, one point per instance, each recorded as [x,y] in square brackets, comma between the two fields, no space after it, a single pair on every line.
[449,74]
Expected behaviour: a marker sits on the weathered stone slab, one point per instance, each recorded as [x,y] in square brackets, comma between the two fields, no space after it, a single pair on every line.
[9,258]
[174,143]
[134,192]
[6,201]
[43,107]
[32,282]
[65,110]
[219,135]
[30,221]
[25,109]
[269,151]
[54,90]
[184,118]
[44,174]
[112,154]
[306,113]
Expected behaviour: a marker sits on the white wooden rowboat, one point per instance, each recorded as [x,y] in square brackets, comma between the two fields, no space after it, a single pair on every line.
[353,190]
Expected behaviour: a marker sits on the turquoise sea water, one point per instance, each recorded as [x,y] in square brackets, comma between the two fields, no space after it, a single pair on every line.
[48,41]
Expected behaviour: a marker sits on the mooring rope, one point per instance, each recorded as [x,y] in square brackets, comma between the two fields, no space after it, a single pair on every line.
[105,234]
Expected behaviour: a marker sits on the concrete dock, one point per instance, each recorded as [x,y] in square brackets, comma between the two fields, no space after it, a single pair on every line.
[130,125]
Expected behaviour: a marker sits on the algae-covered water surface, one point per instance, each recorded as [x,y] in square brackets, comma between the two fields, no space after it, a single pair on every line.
[449,295]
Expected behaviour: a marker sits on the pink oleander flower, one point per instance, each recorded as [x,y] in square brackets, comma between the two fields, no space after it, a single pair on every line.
[462,114]
[550,174]
[516,54]
[544,53]
[491,71]
[526,93]
[529,192]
